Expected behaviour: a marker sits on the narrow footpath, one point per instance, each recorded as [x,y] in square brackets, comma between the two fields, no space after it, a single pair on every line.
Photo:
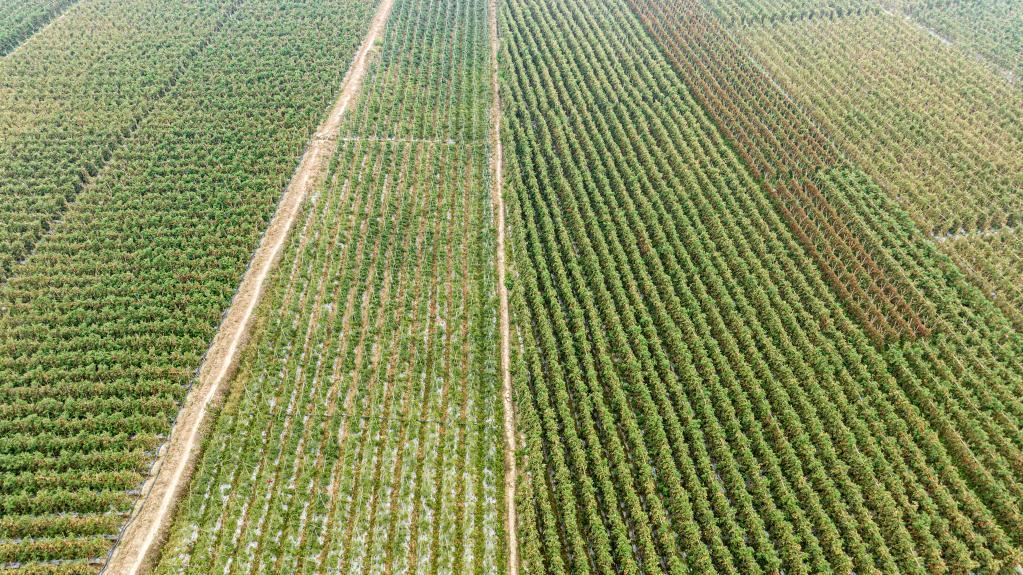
[140,541]
[497,191]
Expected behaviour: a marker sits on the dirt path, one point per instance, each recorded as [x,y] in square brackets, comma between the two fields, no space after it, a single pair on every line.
[497,191]
[149,523]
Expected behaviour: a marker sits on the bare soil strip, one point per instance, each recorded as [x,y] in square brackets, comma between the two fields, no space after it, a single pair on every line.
[150,521]
[497,191]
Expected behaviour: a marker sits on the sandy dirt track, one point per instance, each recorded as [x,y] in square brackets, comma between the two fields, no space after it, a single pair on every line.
[497,191]
[150,521]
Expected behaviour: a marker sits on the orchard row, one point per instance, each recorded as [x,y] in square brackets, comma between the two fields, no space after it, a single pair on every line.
[195,120]
[20,19]
[694,392]
[363,431]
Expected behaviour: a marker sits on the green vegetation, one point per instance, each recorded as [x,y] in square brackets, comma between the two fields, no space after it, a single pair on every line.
[937,128]
[80,92]
[19,19]
[994,261]
[788,153]
[694,392]
[363,433]
[754,12]
[106,318]
[940,131]
[993,29]
[764,270]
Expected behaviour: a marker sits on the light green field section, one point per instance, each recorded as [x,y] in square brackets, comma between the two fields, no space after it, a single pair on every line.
[364,432]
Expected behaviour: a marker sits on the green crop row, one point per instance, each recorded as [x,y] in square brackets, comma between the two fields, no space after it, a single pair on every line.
[19,19]
[363,431]
[693,394]
[991,29]
[192,118]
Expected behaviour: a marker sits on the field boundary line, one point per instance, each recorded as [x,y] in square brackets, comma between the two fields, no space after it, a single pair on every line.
[149,524]
[497,192]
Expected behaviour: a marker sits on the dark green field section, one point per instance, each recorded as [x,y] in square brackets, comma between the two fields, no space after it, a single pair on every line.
[191,128]
[77,94]
[19,19]
[696,394]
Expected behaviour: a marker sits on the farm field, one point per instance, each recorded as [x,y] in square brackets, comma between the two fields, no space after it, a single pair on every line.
[105,316]
[365,434]
[503,287]
[885,103]
[64,112]
[994,261]
[694,393]
[739,13]
[19,19]
[939,130]
[990,29]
